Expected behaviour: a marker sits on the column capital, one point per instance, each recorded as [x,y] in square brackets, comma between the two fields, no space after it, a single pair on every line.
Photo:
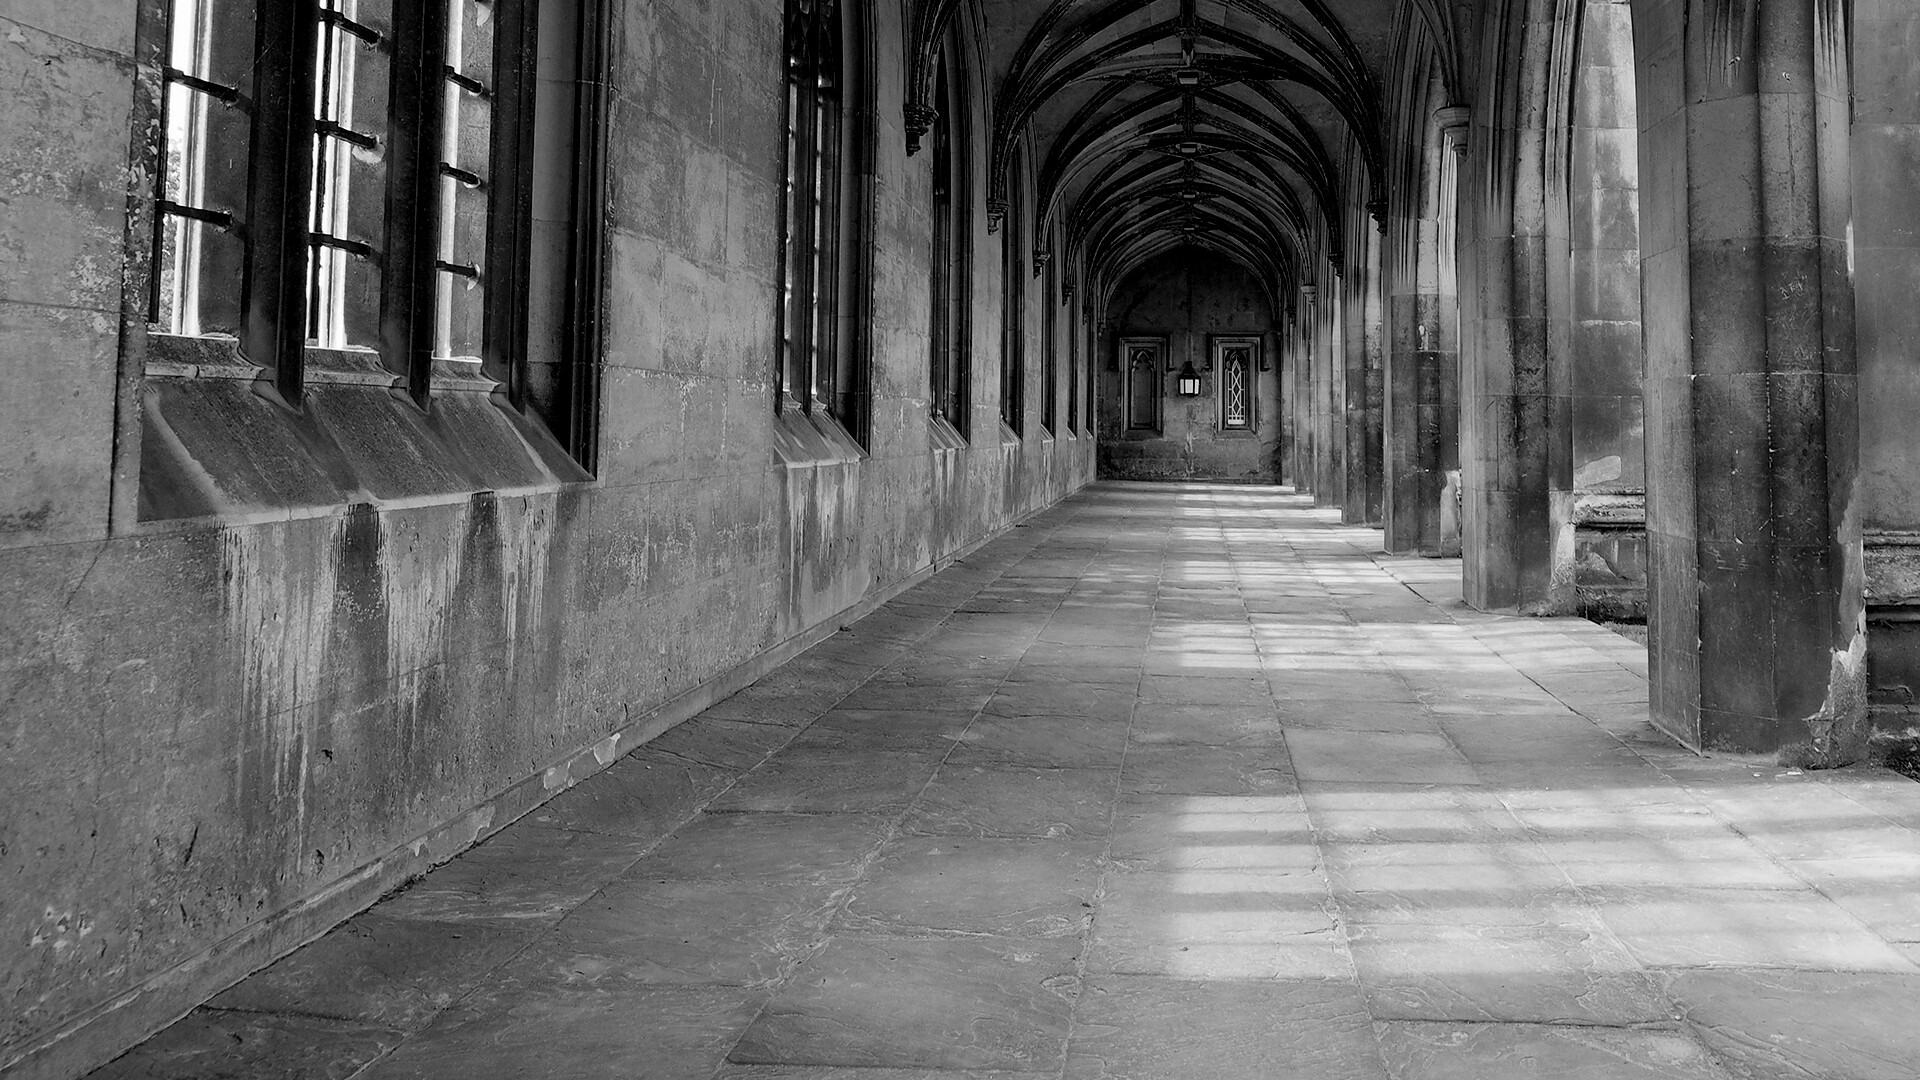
[1455,123]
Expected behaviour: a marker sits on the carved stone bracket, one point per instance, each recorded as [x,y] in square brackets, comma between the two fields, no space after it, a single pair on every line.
[920,120]
[1041,257]
[1378,208]
[996,214]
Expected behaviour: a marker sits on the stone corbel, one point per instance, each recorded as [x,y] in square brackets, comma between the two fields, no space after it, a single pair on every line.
[1378,208]
[920,120]
[996,214]
[1456,123]
[1041,257]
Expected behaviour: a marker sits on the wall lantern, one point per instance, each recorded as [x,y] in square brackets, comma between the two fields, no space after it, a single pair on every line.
[1189,380]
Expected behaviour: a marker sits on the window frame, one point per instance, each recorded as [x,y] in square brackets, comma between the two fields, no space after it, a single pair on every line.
[1221,347]
[1013,306]
[273,219]
[1050,355]
[812,210]
[1129,364]
[1086,344]
[951,267]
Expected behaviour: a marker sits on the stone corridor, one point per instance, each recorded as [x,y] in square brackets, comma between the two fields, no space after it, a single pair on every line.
[1174,782]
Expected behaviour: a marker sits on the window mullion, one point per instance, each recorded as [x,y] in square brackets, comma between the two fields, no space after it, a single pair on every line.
[418,128]
[509,244]
[279,187]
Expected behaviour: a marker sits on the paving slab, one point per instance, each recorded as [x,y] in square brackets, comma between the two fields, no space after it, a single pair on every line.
[380,970]
[1013,800]
[957,1003]
[526,876]
[1219,924]
[1134,1028]
[678,932]
[266,1046]
[1564,970]
[965,884]
[1208,770]
[588,1019]
[1377,757]
[1766,1023]
[824,779]
[1047,741]
[1535,1051]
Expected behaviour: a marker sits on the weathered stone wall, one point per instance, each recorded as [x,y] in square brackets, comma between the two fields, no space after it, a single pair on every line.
[220,736]
[1886,256]
[1184,296]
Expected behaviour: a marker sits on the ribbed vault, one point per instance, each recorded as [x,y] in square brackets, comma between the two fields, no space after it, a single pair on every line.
[1234,125]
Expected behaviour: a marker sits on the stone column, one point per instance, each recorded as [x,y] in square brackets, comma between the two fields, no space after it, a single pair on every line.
[1758,641]
[1332,488]
[1609,466]
[1364,392]
[1516,444]
[1286,359]
[1422,411]
[1306,467]
[1886,256]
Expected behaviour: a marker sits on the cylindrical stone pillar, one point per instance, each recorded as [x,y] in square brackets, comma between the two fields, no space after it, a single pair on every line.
[1422,411]
[1516,445]
[1364,370]
[1758,640]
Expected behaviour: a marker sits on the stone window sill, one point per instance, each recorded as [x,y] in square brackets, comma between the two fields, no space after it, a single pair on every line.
[217,446]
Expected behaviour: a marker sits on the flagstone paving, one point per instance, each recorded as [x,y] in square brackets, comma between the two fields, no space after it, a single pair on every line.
[1173,782]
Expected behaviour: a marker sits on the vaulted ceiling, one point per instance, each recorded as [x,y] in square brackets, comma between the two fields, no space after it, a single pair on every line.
[1236,125]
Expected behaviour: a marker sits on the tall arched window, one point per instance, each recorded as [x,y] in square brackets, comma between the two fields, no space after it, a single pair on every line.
[812,238]
[1013,355]
[1050,361]
[952,295]
[1063,307]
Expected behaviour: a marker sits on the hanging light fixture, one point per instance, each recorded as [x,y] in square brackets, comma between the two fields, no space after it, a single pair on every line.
[1189,380]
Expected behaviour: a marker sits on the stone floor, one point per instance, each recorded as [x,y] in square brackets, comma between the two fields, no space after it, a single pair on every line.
[1174,782]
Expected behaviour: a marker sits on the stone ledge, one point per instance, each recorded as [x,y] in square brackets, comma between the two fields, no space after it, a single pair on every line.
[1892,565]
[943,436]
[1610,509]
[217,447]
[802,440]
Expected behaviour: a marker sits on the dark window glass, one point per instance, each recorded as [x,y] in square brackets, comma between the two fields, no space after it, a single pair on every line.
[951,293]
[1050,361]
[1013,354]
[1143,389]
[811,240]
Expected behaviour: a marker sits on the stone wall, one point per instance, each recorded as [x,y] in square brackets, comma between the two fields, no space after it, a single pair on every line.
[224,733]
[1184,296]
[1886,257]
